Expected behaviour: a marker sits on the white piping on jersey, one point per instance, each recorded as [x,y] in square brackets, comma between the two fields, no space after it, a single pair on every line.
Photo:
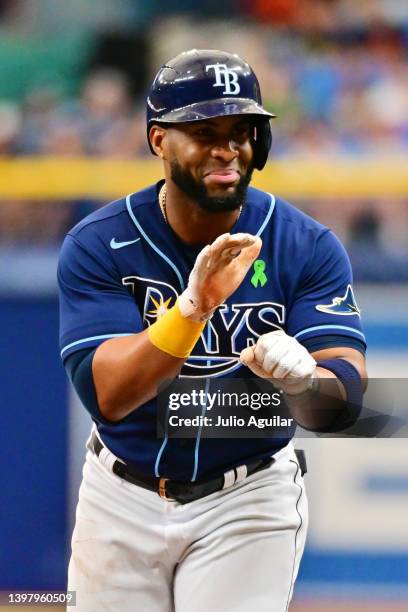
[161,449]
[104,337]
[207,385]
[310,329]
[218,375]
[209,342]
[211,358]
[151,243]
[198,439]
[227,362]
[268,216]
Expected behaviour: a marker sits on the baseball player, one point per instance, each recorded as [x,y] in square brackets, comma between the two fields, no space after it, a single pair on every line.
[199,276]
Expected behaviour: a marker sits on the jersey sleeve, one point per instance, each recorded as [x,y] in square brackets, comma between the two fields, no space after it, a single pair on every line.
[324,312]
[94,305]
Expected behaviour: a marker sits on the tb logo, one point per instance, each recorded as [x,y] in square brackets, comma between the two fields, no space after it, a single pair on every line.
[225,77]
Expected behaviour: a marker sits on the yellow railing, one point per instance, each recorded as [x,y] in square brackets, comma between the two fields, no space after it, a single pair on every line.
[53,178]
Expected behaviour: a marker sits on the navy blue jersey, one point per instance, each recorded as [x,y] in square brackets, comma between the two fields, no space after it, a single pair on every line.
[123,266]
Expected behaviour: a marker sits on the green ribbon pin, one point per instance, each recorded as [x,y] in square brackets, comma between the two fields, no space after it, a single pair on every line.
[259,276]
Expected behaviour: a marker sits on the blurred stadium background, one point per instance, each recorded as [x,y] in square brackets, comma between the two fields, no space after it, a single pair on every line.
[72,137]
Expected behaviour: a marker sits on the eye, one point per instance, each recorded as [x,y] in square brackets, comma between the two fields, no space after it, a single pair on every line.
[241,132]
[203,132]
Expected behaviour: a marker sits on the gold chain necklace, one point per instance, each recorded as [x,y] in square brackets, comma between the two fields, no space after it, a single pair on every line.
[162,204]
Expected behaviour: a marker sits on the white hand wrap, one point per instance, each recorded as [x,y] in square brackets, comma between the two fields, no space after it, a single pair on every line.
[218,270]
[277,355]
[188,300]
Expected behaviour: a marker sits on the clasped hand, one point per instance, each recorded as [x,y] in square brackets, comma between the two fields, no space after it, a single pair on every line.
[281,358]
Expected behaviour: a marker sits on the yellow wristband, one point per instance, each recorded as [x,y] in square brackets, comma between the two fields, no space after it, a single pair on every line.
[174,334]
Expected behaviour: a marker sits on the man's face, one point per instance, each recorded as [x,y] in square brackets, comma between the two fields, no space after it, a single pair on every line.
[212,161]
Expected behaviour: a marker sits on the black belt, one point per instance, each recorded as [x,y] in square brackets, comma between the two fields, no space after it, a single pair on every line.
[175,490]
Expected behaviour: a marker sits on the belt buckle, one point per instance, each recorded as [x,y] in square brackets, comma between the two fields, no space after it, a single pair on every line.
[162,490]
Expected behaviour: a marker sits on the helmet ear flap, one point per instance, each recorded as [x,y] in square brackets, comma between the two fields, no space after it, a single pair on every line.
[261,143]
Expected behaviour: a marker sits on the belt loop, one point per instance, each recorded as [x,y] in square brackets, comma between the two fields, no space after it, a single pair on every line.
[241,471]
[162,490]
[229,479]
[107,458]
[104,455]
[301,457]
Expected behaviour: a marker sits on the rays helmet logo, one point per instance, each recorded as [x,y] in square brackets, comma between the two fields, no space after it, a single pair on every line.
[225,77]
[232,327]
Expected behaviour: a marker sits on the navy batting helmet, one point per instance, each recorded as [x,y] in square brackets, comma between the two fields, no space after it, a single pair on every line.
[200,84]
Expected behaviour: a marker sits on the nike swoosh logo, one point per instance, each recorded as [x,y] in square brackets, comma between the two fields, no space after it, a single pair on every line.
[120,245]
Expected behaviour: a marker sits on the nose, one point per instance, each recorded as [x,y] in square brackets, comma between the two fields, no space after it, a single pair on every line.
[227,151]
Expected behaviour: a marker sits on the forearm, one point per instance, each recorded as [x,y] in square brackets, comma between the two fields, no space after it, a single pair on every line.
[322,405]
[127,372]
[335,400]
[323,390]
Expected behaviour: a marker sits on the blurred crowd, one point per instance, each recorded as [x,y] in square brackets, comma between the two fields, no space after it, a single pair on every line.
[334,71]
[103,121]
[332,98]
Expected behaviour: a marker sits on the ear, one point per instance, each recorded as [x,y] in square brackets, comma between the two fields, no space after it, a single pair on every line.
[157,135]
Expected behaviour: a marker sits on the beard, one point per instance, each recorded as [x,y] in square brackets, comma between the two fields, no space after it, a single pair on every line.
[198,191]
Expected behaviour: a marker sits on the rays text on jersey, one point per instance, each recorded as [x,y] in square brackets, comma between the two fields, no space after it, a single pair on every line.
[232,327]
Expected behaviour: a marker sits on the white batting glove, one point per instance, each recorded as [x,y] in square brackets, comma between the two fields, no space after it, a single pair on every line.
[218,271]
[279,356]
